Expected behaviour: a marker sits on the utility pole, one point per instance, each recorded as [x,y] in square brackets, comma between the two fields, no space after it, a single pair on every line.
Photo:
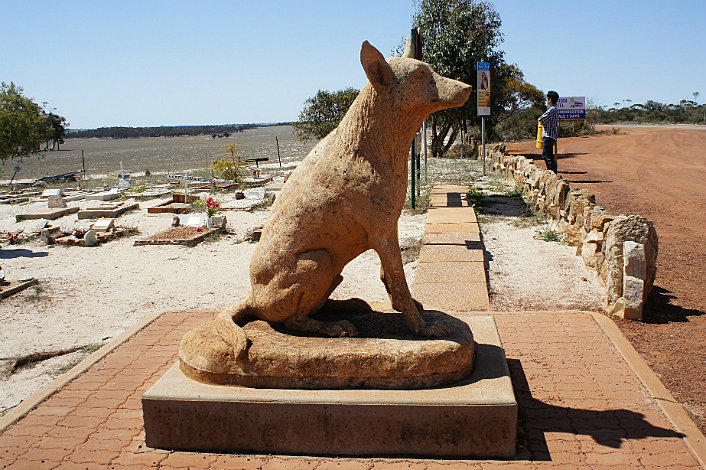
[416,43]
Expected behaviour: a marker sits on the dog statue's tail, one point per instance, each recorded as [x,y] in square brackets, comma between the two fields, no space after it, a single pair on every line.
[231,333]
[213,351]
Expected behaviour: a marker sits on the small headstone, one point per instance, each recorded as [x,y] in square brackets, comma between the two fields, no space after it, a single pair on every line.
[56,202]
[90,238]
[52,192]
[255,193]
[124,181]
[195,220]
[103,225]
[38,224]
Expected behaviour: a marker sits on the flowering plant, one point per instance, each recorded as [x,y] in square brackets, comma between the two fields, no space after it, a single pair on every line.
[12,237]
[211,207]
[79,233]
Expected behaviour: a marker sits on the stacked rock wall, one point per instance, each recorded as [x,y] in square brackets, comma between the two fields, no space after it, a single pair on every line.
[621,249]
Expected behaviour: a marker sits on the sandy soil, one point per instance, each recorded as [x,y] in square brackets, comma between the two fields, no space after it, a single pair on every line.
[659,173]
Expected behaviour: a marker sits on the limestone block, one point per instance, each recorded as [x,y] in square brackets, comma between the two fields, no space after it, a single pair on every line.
[588,253]
[573,235]
[594,236]
[562,189]
[634,260]
[633,290]
[629,228]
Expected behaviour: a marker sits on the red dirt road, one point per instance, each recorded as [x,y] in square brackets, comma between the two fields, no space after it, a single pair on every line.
[658,173]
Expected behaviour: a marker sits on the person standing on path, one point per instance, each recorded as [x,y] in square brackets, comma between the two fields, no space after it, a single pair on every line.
[550,131]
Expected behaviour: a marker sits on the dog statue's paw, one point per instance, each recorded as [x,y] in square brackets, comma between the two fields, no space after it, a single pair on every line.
[435,330]
[340,328]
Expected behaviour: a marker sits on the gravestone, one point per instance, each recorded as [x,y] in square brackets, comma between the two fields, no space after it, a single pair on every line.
[52,192]
[56,202]
[90,238]
[200,219]
[103,224]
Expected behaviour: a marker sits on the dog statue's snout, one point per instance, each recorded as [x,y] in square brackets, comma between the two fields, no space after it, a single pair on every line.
[453,92]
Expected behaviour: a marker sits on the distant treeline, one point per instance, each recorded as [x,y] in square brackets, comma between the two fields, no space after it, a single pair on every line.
[223,130]
[686,112]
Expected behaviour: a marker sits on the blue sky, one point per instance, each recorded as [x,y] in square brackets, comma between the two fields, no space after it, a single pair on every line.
[151,63]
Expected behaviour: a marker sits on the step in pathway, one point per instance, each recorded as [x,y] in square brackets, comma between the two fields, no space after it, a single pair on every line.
[451,274]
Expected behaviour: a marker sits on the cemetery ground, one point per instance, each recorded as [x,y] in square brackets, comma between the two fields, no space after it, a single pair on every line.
[87,296]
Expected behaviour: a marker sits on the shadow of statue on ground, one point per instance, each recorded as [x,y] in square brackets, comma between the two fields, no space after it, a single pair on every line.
[610,428]
[21,253]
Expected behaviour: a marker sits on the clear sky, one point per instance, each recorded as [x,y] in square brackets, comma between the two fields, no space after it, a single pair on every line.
[158,62]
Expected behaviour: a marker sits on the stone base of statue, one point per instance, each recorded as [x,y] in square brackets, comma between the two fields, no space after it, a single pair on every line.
[384,355]
[387,393]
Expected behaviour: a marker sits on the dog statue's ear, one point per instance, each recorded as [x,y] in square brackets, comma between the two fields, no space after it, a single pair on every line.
[376,67]
[408,49]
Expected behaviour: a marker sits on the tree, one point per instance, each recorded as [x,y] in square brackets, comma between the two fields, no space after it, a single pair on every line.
[57,129]
[457,34]
[23,124]
[322,113]
[231,167]
[519,119]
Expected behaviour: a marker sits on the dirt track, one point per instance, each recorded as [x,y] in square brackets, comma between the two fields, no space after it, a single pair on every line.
[659,173]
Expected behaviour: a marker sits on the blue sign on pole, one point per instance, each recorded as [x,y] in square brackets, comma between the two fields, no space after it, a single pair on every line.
[483,88]
[571,108]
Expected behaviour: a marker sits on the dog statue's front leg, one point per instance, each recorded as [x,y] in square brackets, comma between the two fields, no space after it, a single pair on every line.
[393,276]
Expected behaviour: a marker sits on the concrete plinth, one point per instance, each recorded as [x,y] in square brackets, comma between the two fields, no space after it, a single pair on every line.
[475,418]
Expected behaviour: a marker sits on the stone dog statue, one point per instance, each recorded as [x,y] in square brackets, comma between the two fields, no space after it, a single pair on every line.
[343,199]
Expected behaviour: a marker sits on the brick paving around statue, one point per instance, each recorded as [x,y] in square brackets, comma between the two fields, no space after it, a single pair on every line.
[580,406]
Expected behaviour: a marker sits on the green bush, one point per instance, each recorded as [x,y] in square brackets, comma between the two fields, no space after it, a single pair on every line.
[474,196]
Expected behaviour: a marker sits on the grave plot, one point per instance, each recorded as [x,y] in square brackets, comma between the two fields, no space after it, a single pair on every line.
[8,288]
[249,199]
[104,195]
[151,192]
[189,231]
[13,199]
[67,195]
[48,213]
[183,235]
[91,237]
[107,210]
[179,204]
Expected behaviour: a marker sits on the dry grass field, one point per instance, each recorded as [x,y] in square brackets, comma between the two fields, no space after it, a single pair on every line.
[158,154]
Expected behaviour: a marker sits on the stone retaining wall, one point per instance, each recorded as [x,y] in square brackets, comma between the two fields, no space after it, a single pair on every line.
[621,249]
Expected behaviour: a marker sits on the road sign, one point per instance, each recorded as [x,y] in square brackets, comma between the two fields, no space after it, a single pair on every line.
[571,108]
[483,88]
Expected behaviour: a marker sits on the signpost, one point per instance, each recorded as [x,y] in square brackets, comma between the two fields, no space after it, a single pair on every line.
[571,108]
[483,101]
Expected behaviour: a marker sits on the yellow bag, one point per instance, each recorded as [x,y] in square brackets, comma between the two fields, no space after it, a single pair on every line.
[540,145]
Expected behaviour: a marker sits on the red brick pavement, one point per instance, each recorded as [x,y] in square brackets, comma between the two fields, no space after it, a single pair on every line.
[580,406]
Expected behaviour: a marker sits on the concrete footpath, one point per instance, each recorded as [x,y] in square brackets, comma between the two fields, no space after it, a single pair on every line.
[586,399]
